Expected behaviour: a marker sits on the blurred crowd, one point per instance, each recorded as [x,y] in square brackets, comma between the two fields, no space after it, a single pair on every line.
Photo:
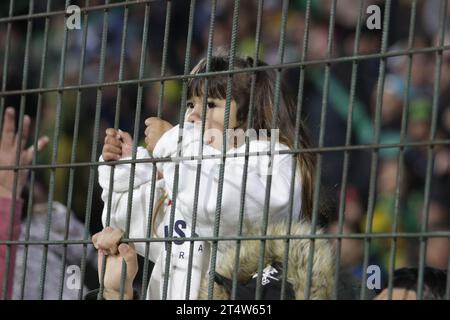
[409,109]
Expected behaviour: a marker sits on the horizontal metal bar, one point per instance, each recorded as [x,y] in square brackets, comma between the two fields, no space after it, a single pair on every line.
[82,9]
[406,235]
[233,155]
[228,72]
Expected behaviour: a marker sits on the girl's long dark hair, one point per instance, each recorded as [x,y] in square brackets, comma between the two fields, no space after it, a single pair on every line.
[264,94]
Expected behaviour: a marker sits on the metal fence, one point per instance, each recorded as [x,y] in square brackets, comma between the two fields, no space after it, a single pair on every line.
[64,71]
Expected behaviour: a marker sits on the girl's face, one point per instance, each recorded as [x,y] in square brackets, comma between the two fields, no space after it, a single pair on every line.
[214,120]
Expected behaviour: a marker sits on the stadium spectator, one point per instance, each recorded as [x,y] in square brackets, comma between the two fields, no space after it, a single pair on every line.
[405,284]
[10,202]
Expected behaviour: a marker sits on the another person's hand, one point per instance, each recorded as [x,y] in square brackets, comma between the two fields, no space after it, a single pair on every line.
[8,151]
[118,144]
[156,127]
[107,244]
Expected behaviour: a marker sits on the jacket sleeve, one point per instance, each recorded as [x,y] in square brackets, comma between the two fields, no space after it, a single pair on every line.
[257,175]
[5,207]
[139,215]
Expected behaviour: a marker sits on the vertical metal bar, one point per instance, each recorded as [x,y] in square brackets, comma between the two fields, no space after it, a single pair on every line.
[187,62]
[200,152]
[276,106]
[232,54]
[430,155]
[297,145]
[6,64]
[164,56]
[18,148]
[56,134]
[116,126]
[148,235]
[247,149]
[403,139]
[74,148]
[348,136]
[34,161]
[95,136]
[137,121]
[152,190]
[376,140]
[319,157]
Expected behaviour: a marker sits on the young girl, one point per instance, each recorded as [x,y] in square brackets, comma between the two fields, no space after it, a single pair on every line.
[161,139]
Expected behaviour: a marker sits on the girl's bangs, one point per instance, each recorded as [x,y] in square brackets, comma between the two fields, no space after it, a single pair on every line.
[217,86]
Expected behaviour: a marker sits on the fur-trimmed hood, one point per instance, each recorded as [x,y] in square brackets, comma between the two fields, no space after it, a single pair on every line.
[322,271]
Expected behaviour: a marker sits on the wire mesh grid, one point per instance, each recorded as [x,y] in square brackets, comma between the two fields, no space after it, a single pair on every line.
[374,99]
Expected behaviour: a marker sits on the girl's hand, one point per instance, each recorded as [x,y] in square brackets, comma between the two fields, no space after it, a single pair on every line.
[118,144]
[156,127]
[107,244]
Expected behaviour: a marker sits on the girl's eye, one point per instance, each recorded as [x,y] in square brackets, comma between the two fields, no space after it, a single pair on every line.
[211,105]
[190,105]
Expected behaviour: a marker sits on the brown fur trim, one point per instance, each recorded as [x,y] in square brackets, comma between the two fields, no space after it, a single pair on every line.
[322,277]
